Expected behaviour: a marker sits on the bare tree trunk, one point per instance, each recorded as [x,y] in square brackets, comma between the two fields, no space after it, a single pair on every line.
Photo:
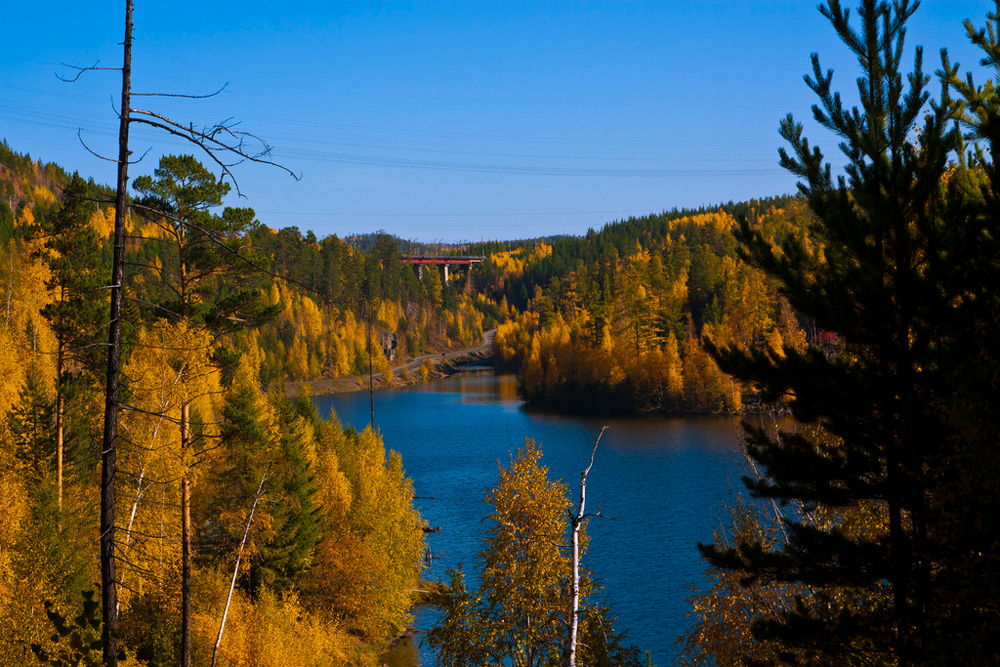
[10,284]
[236,570]
[109,444]
[185,536]
[576,522]
[131,519]
[371,382]
[60,361]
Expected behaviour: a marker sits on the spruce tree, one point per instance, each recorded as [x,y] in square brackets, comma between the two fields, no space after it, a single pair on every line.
[895,254]
[76,313]
[29,424]
[294,519]
[269,439]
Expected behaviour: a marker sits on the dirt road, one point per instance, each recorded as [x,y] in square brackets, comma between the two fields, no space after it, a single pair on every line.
[360,382]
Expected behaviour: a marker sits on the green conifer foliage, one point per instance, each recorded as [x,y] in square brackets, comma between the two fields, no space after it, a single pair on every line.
[74,258]
[77,310]
[888,271]
[30,423]
[294,515]
[269,441]
[179,201]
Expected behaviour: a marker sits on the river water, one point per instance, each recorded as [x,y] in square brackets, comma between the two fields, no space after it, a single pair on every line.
[664,480]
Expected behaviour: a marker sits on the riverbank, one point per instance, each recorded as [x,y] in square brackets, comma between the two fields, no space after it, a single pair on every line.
[442,364]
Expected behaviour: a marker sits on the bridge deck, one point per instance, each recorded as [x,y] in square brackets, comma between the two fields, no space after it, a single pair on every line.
[439,259]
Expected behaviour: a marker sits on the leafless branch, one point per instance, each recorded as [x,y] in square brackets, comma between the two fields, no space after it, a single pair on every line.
[79,136]
[172,313]
[187,96]
[132,408]
[212,140]
[80,71]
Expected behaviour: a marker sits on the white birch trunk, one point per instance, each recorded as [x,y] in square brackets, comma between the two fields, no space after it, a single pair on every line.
[576,522]
[236,571]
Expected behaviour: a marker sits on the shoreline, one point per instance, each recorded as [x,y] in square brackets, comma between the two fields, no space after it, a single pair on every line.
[443,365]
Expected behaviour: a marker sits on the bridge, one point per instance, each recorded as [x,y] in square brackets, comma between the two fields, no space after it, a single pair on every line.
[444,261]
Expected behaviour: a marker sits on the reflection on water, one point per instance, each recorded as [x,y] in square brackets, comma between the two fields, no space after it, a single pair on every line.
[473,387]
[664,481]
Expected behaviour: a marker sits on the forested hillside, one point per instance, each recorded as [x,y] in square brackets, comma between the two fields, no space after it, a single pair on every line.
[330,289]
[213,467]
[616,320]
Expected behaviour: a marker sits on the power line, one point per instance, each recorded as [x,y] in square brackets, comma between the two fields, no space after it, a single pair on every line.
[447,215]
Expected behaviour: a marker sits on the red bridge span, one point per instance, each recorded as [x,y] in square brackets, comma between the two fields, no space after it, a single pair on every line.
[444,261]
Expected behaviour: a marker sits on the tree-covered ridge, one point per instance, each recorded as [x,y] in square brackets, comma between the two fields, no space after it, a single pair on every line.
[566,253]
[623,333]
[26,184]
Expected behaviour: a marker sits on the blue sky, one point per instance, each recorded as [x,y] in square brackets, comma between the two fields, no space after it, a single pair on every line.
[454,120]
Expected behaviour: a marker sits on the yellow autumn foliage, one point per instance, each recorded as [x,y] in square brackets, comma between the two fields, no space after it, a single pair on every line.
[103,221]
[269,631]
[42,195]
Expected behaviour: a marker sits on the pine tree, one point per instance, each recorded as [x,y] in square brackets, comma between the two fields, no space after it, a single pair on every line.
[888,271]
[203,245]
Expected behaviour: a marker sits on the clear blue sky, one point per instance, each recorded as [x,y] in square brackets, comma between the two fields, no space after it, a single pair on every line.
[451,120]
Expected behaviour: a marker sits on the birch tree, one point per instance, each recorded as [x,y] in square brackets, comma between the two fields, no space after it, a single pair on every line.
[520,614]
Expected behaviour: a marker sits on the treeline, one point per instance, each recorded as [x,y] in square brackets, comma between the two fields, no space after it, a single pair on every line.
[568,252]
[620,330]
[212,468]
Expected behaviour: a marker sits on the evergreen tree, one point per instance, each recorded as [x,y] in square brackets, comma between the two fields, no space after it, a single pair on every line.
[293,530]
[268,439]
[77,310]
[30,423]
[203,245]
[893,256]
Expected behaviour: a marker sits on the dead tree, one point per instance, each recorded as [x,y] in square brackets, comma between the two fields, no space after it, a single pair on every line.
[236,569]
[576,523]
[109,443]
[227,146]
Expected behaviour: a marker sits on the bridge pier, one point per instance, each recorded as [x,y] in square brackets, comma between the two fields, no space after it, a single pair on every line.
[445,262]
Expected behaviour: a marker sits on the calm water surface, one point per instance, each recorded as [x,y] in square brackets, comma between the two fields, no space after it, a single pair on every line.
[664,481]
